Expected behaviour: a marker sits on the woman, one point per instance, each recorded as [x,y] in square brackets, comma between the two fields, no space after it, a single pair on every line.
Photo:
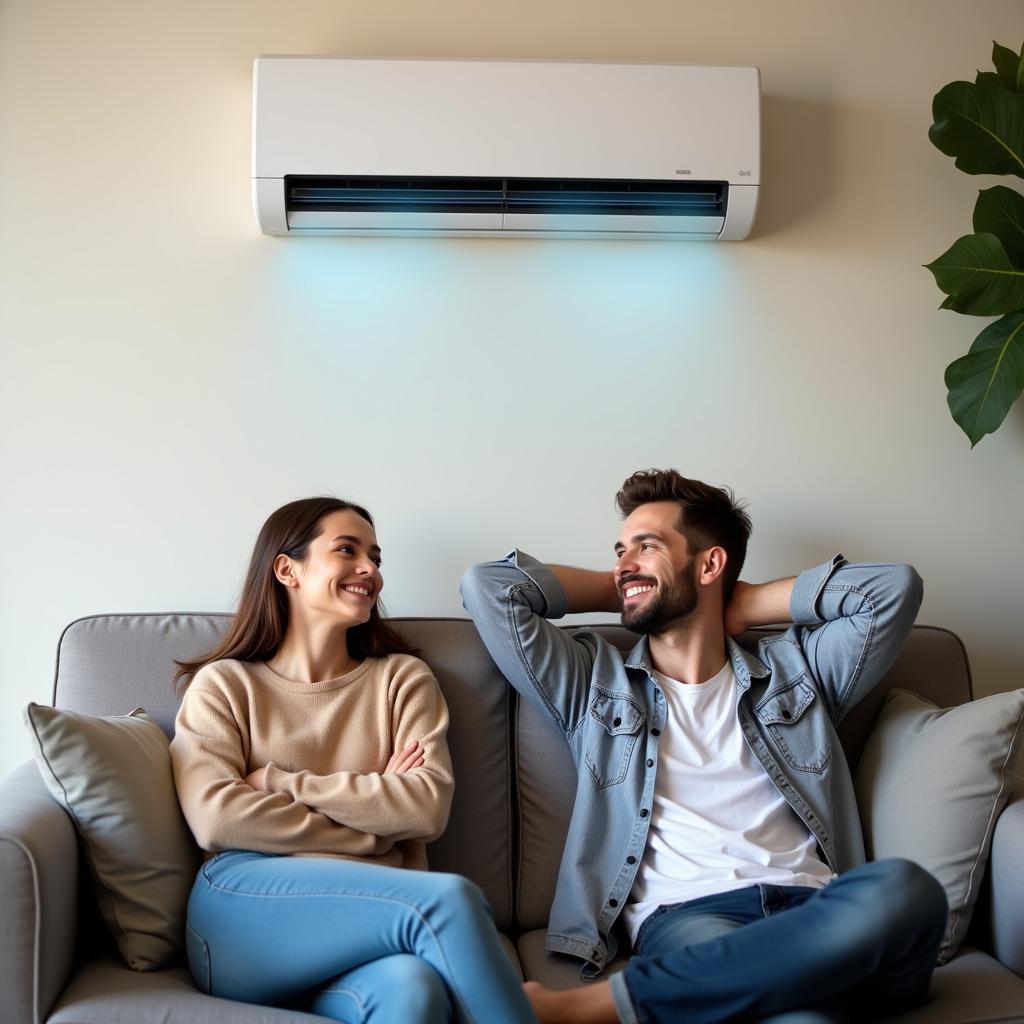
[310,751]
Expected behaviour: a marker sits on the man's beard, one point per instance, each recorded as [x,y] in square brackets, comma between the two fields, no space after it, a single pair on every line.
[667,607]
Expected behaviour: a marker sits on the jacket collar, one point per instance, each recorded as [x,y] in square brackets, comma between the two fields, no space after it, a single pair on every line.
[745,665]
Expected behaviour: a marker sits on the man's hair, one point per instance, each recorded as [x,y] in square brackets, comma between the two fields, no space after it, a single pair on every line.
[708,516]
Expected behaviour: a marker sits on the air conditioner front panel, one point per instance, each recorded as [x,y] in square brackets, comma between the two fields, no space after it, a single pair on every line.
[331,117]
[496,118]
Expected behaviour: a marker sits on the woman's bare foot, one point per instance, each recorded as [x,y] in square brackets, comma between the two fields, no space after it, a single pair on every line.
[588,1004]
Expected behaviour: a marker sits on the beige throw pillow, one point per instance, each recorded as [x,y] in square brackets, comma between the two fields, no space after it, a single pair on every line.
[930,785]
[113,776]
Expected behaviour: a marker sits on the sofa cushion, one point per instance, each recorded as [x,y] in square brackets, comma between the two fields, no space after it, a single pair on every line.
[554,969]
[971,989]
[107,664]
[930,785]
[113,777]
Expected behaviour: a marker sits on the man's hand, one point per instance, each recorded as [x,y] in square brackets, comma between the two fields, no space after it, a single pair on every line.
[257,779]
[403,761]
[758,604]
[735,620]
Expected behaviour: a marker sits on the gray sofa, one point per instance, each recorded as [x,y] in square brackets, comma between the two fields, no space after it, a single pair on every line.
[514,785]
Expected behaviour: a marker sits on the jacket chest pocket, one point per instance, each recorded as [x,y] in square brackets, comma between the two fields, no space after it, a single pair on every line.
[792,717]
[613,726]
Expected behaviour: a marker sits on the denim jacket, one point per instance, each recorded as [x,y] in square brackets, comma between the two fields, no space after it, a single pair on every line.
[850,622]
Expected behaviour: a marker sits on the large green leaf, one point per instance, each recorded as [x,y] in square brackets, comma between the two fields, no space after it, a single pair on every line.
[984,383]
[1009,67]
[999,211]
[979,279]
[982,125]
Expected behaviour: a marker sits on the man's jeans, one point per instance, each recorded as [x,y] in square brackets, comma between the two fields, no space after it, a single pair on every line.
[858,949]
[355,942]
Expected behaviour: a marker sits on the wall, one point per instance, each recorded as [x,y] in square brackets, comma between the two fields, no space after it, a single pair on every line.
[170,375]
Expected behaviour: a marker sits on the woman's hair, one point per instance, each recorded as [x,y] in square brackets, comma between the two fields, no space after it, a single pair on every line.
[259,626]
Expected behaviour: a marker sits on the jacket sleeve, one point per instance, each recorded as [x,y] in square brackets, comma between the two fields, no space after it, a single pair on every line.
[413,805]
[852,620]
[511,601]
[224,812]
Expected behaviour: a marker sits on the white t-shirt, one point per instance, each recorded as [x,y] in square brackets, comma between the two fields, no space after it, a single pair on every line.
[718,823]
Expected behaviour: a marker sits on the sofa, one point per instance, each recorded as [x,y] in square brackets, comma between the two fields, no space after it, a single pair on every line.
[514,786]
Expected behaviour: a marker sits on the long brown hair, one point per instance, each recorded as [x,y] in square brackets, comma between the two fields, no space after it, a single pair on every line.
[258,627]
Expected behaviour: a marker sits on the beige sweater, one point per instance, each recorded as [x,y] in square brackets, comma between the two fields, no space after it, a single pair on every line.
[326,745]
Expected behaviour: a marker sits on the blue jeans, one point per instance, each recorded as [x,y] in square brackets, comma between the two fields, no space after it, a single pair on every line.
[355,942]
[860,948]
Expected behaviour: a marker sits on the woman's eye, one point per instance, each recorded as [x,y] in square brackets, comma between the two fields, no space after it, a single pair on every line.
[377,562]
[345,550]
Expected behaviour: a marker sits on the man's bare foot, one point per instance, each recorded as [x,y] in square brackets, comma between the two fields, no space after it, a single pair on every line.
[588,1004]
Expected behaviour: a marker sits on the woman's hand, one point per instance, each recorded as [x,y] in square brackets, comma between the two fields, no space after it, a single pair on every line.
[403,761]
[257,779]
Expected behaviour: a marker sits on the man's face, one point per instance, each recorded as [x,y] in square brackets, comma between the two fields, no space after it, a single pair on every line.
[654,571]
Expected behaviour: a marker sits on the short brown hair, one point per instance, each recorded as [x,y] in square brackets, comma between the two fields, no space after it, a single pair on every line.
[708,516]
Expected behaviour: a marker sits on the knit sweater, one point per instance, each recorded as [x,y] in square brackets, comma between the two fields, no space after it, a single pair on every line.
[325,746]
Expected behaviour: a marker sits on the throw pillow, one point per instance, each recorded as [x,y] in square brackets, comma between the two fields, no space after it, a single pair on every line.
[113,777]
[931,784]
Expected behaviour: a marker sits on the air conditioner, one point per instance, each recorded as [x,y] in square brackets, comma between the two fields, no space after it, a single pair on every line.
[504,148]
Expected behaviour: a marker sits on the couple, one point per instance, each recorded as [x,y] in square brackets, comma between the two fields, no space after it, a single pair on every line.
[714,811]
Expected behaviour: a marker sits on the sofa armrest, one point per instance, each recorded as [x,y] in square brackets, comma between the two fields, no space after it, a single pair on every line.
[38,897]
[1007,873]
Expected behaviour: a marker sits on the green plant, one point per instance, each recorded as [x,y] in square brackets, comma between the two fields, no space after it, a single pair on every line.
[981,123]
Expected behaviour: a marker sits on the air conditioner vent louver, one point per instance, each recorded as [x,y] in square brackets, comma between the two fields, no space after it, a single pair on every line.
[514,195]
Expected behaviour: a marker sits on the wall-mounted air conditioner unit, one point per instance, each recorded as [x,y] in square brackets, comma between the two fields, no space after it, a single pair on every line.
[504,148]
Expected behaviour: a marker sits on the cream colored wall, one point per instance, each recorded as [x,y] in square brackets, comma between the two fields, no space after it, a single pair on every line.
[169,375]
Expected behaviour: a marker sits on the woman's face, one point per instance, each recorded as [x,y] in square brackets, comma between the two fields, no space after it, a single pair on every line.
[340,576]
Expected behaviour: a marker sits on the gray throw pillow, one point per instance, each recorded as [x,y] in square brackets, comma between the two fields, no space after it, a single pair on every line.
[113,777]
[931,784]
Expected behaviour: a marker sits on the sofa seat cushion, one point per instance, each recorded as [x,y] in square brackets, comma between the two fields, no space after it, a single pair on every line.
[973,988]
[104,991]
[552,969]
[107,992]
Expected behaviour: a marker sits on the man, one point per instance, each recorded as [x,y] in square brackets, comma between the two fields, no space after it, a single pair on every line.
[714,809]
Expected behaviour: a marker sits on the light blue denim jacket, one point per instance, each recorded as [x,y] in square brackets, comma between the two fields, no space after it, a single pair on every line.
[850,622]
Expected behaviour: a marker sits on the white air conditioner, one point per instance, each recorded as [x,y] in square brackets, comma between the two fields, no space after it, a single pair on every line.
[504,148]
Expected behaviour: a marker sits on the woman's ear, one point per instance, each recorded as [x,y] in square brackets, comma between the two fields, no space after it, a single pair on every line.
[284,570]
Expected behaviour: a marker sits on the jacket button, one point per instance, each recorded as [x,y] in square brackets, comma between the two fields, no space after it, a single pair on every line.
[617,721]
[644,813]
[786,715]
[631,859]
[613,903]
[650,762]
[655,732]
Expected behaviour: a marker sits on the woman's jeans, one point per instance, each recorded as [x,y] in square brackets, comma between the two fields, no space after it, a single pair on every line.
[858,949]
[351,941]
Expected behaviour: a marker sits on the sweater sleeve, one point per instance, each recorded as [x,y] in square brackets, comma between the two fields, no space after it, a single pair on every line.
[413,805]
[224,812]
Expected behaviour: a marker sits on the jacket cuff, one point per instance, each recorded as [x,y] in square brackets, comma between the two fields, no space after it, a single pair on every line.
[803,602]
[544,580]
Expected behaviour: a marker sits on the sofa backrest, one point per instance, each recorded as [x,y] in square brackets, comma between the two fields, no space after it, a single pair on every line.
[110,664]
[514,777]
[932,663]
